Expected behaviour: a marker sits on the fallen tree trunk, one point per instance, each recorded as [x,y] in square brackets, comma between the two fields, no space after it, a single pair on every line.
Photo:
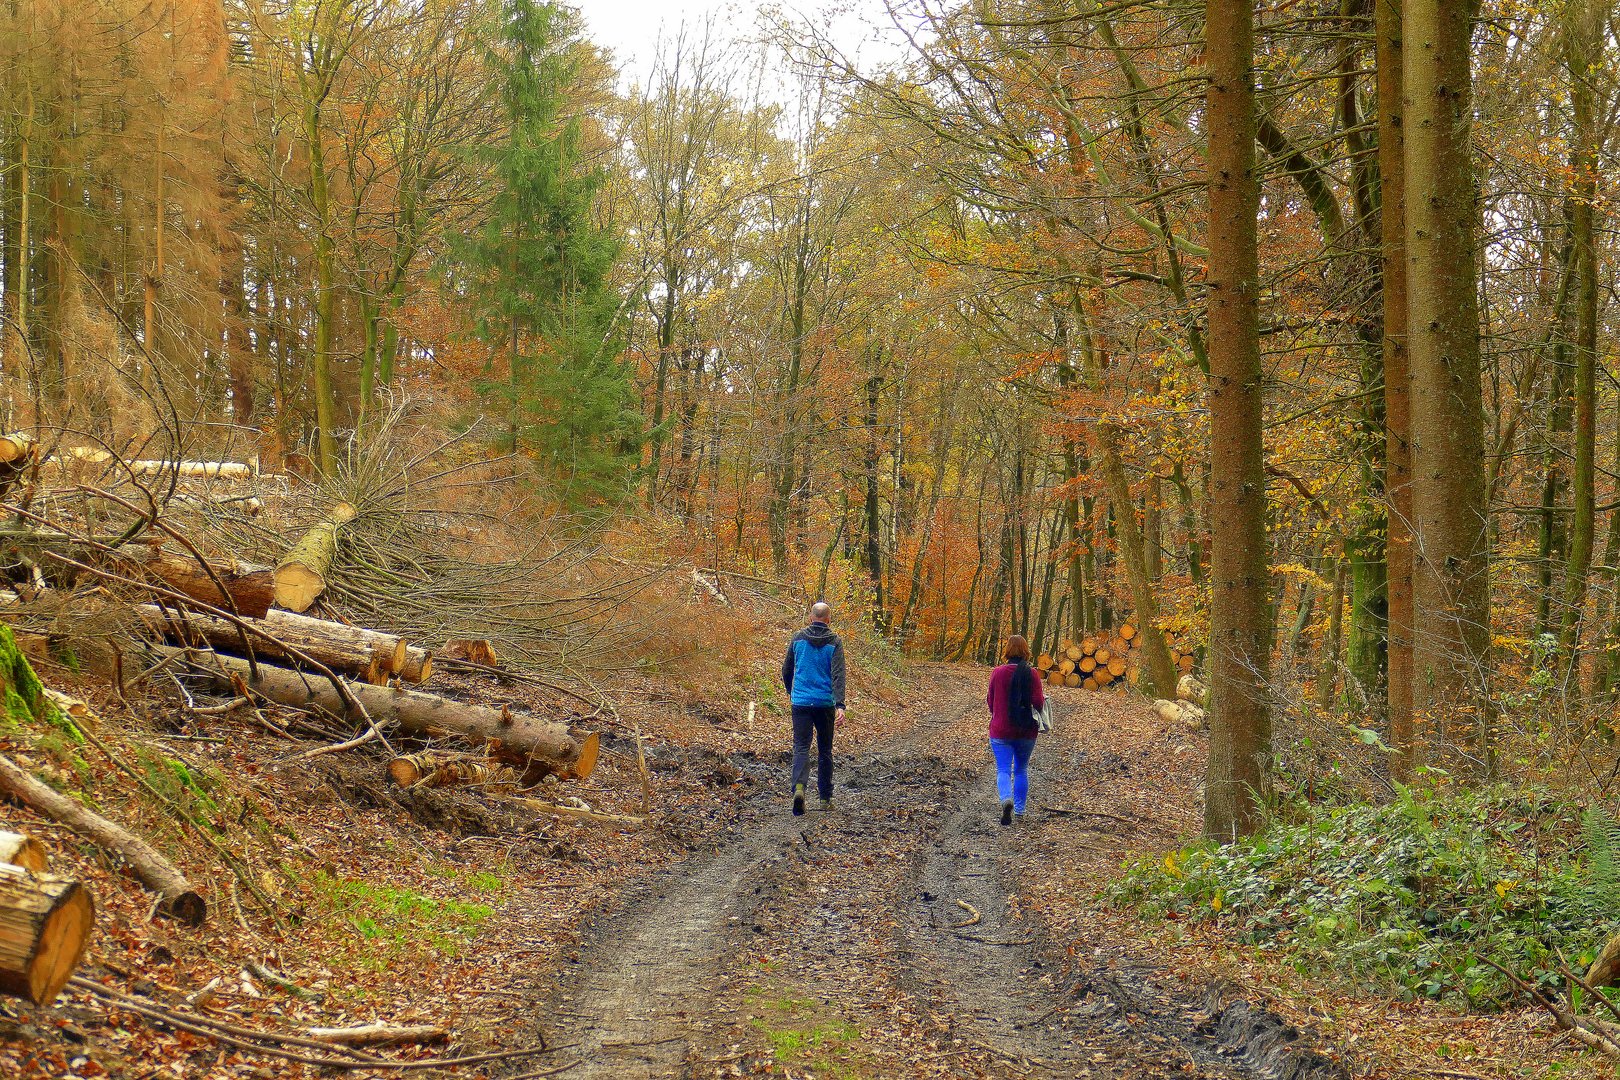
[20,849]
[158,874]
[433,770]
[45,924]
[381,1035]
[193,470]
[518,735]
[370,654]
[250,590]
[301,574]
[574,813]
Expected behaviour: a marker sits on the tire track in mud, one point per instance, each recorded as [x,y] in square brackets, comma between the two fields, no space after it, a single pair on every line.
[851,918]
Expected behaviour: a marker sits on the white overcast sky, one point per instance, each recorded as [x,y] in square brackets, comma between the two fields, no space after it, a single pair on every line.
[631,28]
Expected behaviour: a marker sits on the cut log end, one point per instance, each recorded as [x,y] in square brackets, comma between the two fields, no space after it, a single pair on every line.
[45,924]
[298,587]
[187,906]
[19,849]
[589,750]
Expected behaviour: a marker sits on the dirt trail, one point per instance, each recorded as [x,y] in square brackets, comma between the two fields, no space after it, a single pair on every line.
[884,939]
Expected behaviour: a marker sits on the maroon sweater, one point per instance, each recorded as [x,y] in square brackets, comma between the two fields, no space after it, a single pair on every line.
[1000,683]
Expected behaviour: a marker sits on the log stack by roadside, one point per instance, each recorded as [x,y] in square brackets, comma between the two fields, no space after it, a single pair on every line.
[1101,660]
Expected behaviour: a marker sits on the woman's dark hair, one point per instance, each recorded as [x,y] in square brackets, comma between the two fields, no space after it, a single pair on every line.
[1017,648]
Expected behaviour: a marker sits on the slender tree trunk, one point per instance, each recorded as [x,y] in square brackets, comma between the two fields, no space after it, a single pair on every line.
[1580,40]
[874,523]
[1552,542]
[1397,381]
[325,300]
[1327,673]
[1194,550]
[1451,572]
[1237,785]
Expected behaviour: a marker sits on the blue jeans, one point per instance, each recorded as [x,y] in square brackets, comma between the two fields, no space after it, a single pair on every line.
[1012,770]
[814,720]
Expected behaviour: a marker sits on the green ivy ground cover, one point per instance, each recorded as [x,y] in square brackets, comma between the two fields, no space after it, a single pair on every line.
[1412,895]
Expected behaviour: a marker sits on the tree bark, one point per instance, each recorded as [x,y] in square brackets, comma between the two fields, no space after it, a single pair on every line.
[249,591]
[1237,786]
[45,924]
[1451,574]
[158,874]
[1397,381]
[1580,32]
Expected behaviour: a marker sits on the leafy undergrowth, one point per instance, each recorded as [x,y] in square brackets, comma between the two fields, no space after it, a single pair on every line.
[1412,897]
[1146,773]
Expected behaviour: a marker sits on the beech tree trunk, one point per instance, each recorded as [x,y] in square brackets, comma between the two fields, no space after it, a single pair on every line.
[1397,381]
[518,734]
[45,924]
[1237,784]
[301,574]
[1581,38]
[1451,576]
[158,874]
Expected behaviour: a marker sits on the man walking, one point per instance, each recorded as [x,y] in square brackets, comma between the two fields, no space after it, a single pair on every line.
[813,672]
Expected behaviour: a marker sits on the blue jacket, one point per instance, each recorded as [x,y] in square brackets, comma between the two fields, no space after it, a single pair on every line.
[813,669]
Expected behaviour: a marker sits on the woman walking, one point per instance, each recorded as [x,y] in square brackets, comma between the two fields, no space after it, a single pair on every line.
[1015,693]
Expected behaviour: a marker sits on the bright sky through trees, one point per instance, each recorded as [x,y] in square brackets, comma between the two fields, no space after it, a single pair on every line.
[632,28]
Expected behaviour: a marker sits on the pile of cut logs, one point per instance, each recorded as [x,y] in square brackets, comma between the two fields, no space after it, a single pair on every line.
[223,622]
[1098,661]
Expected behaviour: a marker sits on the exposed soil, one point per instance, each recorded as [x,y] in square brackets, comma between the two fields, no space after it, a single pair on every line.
[889,938]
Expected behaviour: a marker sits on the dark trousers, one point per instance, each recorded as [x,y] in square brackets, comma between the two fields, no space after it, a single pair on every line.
[817,720]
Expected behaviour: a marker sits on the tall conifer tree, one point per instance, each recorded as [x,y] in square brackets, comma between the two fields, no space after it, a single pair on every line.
[537,272]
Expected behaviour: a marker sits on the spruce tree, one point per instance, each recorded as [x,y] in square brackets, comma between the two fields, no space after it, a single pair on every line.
[536,274]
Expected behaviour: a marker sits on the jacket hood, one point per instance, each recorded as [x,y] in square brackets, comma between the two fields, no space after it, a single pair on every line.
[818,633]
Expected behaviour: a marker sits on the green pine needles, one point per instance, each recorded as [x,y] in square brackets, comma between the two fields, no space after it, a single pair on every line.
[537,274]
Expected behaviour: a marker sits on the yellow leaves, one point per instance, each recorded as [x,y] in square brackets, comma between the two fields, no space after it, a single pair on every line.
[1217,902]
[1505,887]
[1303,574]
[1517,646]
[1170,865]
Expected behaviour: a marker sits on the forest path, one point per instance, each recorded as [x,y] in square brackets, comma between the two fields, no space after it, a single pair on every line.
[884,939]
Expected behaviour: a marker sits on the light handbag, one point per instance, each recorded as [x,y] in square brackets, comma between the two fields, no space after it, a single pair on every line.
[1043,718]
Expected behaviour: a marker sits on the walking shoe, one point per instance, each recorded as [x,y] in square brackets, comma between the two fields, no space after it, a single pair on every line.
[798,800]
[826,804]
[1018,817]
[1006,813]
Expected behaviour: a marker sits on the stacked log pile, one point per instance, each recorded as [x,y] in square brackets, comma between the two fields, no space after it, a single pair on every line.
[1099,661]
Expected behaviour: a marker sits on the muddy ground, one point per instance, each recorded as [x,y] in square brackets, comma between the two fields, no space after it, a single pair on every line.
[889,938]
